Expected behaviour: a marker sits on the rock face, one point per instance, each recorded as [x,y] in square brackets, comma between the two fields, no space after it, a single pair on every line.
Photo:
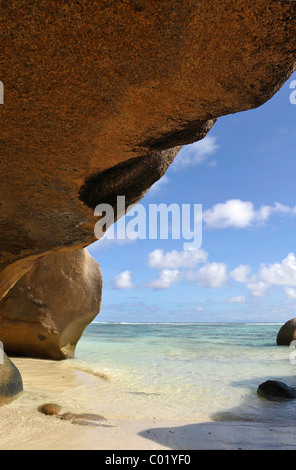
[276,391]
[46,312]
[11,383]
[287,333]
[92,85]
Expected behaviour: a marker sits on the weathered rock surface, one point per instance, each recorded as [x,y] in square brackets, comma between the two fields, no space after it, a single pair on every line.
[46,312]
[11,383]
[276,391]
[287,333]
[92,85]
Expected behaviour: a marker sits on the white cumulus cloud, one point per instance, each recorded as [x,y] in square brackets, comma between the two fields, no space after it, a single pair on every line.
[241,273]
[290,292]
[166,278]
[213,275]
[258,288]
[176,266]
[282,273]
[196,153]
[242,214]
[158,259]
[123,280]
[158,186]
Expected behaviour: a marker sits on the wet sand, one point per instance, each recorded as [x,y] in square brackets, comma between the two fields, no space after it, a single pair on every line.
[24,427]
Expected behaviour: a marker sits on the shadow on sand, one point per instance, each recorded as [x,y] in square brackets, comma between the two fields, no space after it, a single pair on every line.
[256,424]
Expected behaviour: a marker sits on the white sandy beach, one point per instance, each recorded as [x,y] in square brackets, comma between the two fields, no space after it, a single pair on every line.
[32,432]
[24,427]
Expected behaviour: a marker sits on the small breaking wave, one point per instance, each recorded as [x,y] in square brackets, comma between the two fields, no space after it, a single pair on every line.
[90,369]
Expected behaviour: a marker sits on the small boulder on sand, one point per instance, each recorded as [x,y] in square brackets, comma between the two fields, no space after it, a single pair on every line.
[50,409]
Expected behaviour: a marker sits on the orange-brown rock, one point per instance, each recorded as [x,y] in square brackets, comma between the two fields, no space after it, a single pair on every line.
[46,312]
[50,409]
[92,84]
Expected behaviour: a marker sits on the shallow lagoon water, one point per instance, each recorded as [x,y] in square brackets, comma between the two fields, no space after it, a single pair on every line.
[186,371]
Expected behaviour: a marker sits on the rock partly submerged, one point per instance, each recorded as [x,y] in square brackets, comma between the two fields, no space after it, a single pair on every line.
[287,333]
[275,390]
[46,312]
[11,384]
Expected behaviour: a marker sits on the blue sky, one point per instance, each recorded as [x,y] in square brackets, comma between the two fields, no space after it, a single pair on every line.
[243,174]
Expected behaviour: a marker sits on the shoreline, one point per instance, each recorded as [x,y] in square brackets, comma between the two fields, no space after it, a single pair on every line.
[48,433]
[23,427]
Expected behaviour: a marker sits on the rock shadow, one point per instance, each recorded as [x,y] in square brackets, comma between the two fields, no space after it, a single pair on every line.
[256,423]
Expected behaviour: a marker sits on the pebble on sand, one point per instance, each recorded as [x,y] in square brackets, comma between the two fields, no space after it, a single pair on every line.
[50,409]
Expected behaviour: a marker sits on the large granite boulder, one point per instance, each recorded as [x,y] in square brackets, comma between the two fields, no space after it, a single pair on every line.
[90,85]
[47,310]
[11,383]
[287,333]
[99,96]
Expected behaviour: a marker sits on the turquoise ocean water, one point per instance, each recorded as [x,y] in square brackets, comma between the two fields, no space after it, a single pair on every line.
[191,371]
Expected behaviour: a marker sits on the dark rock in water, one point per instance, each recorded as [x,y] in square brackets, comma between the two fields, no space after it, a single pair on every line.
[276,391]
[11,383]
[287,333]
[50,409]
